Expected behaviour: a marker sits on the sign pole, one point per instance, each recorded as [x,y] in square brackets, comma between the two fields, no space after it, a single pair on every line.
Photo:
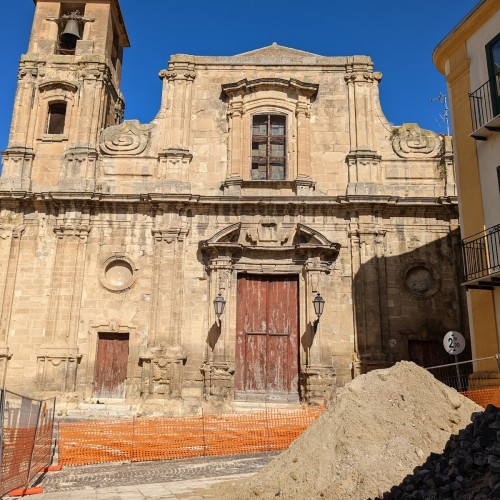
[458,374]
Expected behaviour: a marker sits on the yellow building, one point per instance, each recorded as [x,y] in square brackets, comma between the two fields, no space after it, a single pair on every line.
[469,57]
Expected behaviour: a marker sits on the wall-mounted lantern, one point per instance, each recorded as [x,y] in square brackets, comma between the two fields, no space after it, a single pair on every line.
[219,305]
[319,305]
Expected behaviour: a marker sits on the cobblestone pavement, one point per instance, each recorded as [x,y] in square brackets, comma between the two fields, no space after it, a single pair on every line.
[161,471]
[158,480]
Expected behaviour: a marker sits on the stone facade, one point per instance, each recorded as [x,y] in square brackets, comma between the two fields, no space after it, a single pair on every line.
[117,233]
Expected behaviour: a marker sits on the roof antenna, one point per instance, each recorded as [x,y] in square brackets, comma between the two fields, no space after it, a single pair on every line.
[444,118]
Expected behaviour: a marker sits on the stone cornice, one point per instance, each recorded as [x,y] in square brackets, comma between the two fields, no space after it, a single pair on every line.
[247,86]
[191,199]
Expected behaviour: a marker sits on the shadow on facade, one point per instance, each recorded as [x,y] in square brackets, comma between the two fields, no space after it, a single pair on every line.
[404,303]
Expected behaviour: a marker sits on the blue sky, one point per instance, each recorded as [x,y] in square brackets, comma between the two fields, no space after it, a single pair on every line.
[400,37]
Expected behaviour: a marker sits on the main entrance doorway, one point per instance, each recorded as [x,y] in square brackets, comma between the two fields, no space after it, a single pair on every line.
[267,365]
[111,365]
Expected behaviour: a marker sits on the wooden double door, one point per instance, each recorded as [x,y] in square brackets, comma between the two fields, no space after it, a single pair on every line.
[267,355]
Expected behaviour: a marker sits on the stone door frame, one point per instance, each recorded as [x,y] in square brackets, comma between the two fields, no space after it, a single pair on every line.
[264,247]
[133,355]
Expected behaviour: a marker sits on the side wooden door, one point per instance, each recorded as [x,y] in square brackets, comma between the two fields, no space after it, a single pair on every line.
[267,338]
[111,365]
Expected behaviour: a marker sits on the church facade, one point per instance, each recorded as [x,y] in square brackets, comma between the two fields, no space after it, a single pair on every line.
[267,180]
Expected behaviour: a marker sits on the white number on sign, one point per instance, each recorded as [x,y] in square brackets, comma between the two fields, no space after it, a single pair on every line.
[454,343]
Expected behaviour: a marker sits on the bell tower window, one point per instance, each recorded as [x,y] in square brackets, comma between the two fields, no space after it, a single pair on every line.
[70,28]
[268,147]
[56,118]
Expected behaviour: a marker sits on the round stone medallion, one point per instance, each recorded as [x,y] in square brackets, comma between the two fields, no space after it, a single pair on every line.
[420,281]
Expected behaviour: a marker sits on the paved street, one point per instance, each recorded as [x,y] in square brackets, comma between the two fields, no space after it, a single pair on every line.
[159,480]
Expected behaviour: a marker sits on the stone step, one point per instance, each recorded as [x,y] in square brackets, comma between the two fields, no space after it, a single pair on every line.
[249,406]
[104,406]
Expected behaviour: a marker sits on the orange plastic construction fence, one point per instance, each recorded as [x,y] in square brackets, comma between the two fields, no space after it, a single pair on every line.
[484,397]
[161,438]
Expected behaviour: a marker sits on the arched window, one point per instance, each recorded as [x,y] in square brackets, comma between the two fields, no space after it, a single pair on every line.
[56,118]
[268,147]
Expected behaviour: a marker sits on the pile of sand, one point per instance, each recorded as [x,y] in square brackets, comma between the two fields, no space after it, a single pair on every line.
[376,430]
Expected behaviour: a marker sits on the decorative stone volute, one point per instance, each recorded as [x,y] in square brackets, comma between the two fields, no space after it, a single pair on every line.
[410,140]
[130,138]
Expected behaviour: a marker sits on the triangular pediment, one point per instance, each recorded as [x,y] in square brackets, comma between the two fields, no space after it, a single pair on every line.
[278,52]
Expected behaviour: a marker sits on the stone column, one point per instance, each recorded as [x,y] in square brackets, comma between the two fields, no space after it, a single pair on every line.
[217,370]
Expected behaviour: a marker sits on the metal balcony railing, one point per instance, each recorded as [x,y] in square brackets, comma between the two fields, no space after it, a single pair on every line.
[485,102]
[481,253]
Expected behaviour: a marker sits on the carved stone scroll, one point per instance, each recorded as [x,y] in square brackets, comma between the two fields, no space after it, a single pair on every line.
[127,139]
[410,140]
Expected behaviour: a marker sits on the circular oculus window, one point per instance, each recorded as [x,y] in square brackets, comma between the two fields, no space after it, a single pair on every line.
[117,274]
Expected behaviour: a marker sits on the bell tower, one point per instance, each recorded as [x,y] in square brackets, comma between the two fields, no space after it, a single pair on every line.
[68,90]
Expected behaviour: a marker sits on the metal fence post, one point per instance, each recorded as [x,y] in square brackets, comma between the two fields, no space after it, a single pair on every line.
[2,414]
[34,442]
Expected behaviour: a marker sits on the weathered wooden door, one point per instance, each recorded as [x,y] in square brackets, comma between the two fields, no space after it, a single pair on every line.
[111,365]
[267,338]
[427,353]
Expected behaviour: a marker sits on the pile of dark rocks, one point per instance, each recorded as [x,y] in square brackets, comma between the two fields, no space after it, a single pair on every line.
[468,469]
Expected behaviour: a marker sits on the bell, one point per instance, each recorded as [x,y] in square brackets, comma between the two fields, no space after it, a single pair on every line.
[71,33]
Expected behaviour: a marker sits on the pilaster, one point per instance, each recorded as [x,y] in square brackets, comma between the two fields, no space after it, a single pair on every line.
[217,370]
[174,166]
[370,296]
[179,77]
[303,115]
[58,359]
[162,361]
[317,374]
[95,80]
[16,169]
[11,236]
[78,172]
[447,168]
[362,85]
[364,173]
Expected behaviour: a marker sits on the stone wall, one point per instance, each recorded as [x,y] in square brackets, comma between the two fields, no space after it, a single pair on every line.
[126,232]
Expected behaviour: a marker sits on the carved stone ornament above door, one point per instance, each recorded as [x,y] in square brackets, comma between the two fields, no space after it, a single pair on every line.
[270,237]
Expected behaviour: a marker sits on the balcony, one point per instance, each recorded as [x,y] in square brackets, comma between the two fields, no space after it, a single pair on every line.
[485,109]
[481,258]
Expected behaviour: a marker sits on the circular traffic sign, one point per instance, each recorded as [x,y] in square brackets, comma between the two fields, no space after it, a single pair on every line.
[454,343]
